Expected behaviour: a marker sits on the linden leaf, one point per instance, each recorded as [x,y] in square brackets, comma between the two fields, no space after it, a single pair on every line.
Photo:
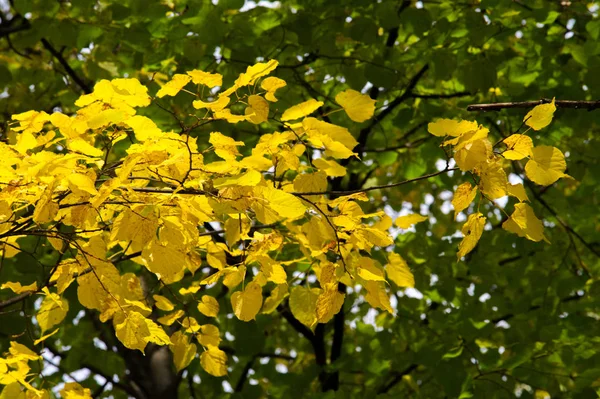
[247,303]
[73,390]
[209,306]
[214,106]
[171,318]
[135,331]
[463,196]
[255,72]
[301,110]
[17,288]
[163,303]
[22,352]
[143,127]
[450,127]
[518,146]
[271,84]
[257,110]
[473,154]
[472,231]
[81,184]
[369,270]
[174,86]
[286,205]
[359,107]
[183,351]
[83,147]
[404,222]
[398,271]
[377,296]
[546,165]
[209,335]
[303,304]
[214,361]
[52,311]
[540,116]
[493,182]
[278,294]
[329,303]
[311,182]
[518,191]
[524,223]
[45,337]
[205,78]
[330,167]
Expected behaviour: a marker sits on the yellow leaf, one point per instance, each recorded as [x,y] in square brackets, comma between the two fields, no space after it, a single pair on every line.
[319,130]
[247,303]
[257,110]
[359,107]
[249,179]
[81,184]
[370,271]
[330,167]
[473,154]
[143,127]
[463,196]
[25,142]
[518,146]
[214,106]
[229,117]
[286,205]
[225,147]
[175,85]
[311,182]
[163,303]
[255,72]
[540,116]
[377,297]
[546,165]
[22,352]
[271,84]
[518,191]
[17,288]
[205,78]
[209,306]
[171,317]
[83,147]
[303,304]
[135,331]
[45,209]
[301,110]
[493,182]
[52,311]
[404,222]
[329,303]
[45,337]
[183,351]
[214,361]
[449,127]
[278,294]
[398,271]
[209,335]
[165,260]
[73,390]
[472,231]
[524,223]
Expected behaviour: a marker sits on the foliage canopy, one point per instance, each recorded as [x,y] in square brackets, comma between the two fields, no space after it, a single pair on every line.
[292,198]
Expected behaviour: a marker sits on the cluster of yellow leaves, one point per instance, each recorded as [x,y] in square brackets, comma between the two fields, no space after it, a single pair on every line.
[152,207]
[474,154]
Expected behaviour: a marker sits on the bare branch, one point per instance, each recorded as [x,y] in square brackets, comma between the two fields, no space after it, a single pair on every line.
[577,104]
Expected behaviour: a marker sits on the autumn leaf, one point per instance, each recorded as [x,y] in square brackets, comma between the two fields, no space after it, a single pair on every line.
[405,222]
[247,303]
[540,116]
[472,231]
[359,107]
[546,165]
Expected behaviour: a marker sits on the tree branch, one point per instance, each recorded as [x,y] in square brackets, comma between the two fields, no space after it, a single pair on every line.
[397,378]
[76,78]
[577,104]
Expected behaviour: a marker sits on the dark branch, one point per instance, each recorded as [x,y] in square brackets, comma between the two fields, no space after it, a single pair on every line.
[589,105]
[76,78]
[397,378]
